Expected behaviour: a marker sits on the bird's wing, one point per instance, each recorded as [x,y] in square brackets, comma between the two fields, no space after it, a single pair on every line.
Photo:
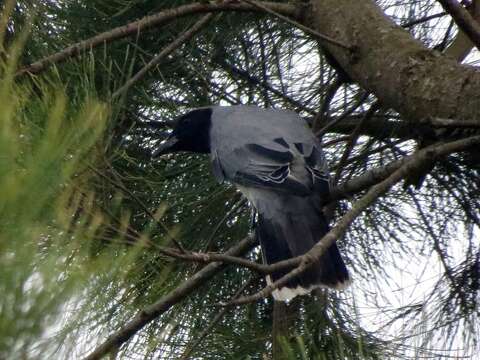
[297,168]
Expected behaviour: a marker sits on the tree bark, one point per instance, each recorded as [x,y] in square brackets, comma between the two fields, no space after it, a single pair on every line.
[417,82]
[461,46]
[284,316]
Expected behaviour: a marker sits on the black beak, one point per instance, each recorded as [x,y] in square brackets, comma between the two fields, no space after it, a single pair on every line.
[164,147]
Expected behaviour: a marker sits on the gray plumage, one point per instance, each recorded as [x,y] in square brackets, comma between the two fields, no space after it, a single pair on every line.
[249,144]
[277,163]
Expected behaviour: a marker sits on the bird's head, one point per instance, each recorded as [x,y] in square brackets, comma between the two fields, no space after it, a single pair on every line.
[191,132]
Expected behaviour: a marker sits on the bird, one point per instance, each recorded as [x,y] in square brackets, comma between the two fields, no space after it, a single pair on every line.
[274,159]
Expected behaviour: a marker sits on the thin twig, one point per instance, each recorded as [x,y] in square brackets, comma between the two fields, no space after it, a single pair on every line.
[463,19]
[118,184]
[153,311]
[263,83]
[380,127]
[147,22]
[298,25]
[213,323]
[422,20]
[336,141]
[353,140]
[417,160]
[364,181]
[322,114]
[327,127]
[436,246]
[179,41]
[224,258]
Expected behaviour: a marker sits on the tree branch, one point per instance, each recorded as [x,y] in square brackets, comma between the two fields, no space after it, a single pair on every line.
[441,122]
[364,181]
[463,19]
[119,185]
[412,23]
[400,71]
[379,127]
[151,312]
[353,140]
[148,22]
[461,45]
[260,82]
[308,30]
[213,323]
[216,257]
[179,41]
[417,160]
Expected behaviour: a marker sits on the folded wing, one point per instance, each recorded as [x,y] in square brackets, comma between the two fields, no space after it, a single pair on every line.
[297,168]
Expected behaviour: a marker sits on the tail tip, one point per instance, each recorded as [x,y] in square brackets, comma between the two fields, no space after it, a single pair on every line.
[288,293]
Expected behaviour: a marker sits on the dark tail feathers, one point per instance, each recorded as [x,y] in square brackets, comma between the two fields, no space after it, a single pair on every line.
[291,234]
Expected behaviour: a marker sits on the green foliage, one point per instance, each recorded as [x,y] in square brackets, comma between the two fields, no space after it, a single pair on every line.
[84,211]
[47,142]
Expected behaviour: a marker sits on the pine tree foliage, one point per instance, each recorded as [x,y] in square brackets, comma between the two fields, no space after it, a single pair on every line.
[86,215]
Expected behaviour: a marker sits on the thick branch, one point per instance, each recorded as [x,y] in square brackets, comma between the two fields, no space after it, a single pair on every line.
[406,76]
[149,22]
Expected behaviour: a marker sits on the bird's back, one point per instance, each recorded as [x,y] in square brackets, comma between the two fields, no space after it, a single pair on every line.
[277,163]
[234,128]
